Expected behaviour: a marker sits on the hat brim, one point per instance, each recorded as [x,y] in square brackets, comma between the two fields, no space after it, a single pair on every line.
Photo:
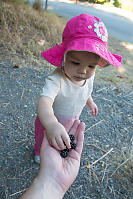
[55,55]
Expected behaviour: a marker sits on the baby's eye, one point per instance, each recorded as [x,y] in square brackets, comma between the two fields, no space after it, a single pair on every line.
[91,66]
[75,63]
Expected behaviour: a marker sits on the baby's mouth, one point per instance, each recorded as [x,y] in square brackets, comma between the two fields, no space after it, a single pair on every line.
[79,78]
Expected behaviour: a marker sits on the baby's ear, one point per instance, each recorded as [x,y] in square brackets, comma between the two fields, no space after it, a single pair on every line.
[103,63]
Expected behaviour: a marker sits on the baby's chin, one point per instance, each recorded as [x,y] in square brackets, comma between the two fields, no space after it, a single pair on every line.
[78,82]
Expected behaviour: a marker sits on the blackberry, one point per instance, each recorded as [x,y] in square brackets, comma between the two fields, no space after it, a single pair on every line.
[72,138]
[73,145]
[64,153]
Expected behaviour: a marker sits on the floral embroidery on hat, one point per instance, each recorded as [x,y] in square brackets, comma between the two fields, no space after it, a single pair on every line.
[101,31]
[89,26]
[100,47]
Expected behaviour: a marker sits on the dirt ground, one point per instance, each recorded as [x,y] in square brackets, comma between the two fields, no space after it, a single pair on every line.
[110,132]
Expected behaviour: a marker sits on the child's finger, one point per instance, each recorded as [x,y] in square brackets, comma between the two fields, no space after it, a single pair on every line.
[66,140]
[96,111]
[60,143]
[55,145]
[93,112]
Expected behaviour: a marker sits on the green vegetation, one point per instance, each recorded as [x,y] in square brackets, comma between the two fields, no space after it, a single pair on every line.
[98,1]
[117,3]
[128,4]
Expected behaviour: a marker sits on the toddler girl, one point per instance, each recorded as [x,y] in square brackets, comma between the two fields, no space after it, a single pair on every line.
[68,89]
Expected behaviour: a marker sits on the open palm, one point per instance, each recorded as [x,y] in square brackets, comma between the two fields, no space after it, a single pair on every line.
[65,169]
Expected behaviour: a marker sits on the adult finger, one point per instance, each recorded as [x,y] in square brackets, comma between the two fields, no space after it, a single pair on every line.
[68,125]
[45,142]
[80,137]
[74,127]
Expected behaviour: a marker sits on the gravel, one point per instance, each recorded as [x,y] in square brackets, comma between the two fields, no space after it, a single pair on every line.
[111,130]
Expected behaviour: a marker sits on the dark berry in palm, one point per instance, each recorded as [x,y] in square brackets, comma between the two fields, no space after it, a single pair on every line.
[64,153]
[72,138]
[73,145]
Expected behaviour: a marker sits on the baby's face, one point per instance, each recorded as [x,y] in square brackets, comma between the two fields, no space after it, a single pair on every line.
[80,65]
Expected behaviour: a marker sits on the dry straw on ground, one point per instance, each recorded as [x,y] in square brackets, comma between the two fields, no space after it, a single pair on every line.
[22,28]
[123,164]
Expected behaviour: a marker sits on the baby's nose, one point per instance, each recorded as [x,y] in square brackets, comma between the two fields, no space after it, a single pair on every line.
[82,70]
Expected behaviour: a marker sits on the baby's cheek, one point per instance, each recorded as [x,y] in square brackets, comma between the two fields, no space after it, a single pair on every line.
[90,75]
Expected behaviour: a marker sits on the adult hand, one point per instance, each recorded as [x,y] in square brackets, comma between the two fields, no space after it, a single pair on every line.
[62,171]
[57,174]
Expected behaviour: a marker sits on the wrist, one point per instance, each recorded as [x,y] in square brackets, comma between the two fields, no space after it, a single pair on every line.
[49,188]
[90,100]
[51,123]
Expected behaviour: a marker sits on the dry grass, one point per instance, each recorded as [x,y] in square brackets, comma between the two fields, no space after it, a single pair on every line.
[22,28]
[123,164]
[115,163]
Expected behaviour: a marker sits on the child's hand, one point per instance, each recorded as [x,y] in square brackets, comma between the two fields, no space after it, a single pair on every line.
[93,107]
[57,136]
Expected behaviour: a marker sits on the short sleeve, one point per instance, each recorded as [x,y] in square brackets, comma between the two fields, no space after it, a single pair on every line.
[51,86]
[90,84]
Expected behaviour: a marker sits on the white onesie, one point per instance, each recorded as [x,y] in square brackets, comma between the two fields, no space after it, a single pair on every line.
[68,98]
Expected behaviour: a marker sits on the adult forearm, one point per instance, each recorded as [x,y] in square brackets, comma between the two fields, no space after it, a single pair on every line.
[45,190]
[34,191]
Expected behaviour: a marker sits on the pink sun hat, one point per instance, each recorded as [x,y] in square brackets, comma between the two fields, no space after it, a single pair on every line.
[83,33]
